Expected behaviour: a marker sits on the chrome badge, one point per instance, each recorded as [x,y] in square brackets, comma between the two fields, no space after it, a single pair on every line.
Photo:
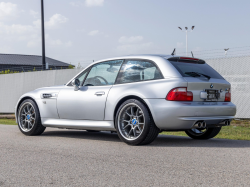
[211,86]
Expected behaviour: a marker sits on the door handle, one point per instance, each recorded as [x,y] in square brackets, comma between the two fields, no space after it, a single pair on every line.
[100,93]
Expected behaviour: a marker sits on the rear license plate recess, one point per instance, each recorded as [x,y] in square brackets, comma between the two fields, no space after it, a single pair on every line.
[212,94]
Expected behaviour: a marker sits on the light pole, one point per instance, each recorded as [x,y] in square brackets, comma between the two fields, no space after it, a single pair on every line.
[43,38]
[187,37]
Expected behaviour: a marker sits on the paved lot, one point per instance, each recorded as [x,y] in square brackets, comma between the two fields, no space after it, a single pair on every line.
[79,158]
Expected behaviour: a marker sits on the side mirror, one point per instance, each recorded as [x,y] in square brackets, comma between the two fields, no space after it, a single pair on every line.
[76,83]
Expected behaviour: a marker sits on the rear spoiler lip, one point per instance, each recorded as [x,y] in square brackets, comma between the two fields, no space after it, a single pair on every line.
[187,60]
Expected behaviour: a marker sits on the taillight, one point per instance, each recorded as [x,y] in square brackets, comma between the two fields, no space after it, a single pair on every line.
[179,94]
[228,97]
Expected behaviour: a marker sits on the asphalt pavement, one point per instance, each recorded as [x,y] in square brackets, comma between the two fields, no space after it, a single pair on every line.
[79,158]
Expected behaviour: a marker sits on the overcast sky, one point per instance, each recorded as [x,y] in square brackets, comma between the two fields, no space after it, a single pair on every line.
[86,30]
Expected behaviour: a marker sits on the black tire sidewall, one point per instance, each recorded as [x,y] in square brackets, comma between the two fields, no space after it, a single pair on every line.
[146,127]
[210,133]
[37,120]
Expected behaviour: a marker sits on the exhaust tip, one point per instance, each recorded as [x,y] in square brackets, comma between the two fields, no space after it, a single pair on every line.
[227,122]
[199,124]
[204,125]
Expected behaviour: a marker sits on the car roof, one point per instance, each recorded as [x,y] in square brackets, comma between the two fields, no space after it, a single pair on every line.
[167,69]
[160,55]
[142,56]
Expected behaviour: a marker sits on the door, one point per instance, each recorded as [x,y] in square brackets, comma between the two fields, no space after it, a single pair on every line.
[88,103]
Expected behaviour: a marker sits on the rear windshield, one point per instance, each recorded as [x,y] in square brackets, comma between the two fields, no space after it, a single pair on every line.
[187,69]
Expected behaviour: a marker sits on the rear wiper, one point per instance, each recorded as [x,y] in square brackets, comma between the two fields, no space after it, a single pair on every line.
[196,74]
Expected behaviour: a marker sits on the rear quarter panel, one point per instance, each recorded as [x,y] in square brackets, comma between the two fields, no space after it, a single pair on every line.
[155,89]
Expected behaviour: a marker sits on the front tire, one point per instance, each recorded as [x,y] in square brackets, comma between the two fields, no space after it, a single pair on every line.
[134,124]
[29,121]
[203,134]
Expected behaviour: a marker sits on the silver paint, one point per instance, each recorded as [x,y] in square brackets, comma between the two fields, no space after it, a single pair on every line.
[93,107]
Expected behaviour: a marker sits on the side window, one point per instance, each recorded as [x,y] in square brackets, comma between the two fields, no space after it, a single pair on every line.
[103,73]
[81,77]
[138,70]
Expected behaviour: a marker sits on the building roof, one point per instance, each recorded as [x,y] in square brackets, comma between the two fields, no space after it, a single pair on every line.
[28,60]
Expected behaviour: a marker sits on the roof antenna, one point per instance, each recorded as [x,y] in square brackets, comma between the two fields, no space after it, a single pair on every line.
[192,54]
[173,53]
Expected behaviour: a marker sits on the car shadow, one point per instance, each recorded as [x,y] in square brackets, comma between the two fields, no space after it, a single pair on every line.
[82,134]
[160,141]
[182,141]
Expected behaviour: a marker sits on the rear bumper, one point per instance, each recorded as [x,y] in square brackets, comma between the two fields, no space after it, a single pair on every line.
[174,115]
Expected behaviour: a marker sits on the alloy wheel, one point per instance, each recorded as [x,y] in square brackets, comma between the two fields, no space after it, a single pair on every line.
[27,117]
[131,121]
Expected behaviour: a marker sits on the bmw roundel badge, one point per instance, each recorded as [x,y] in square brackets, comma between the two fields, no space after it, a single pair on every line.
[211,86]
[134,121]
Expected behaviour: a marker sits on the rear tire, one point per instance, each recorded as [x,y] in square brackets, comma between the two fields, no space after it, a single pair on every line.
[29,120]
[209,133]
[134,124]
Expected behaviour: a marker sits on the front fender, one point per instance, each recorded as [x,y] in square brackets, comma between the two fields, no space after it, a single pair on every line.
[47,106]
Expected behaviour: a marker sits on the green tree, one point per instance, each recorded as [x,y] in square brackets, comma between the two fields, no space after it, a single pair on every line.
[71,67]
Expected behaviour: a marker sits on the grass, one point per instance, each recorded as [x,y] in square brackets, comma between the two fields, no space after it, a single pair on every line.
[238,130]
[8,121]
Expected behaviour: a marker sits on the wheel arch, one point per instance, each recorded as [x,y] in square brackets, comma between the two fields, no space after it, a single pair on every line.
[130,97]
[20,102]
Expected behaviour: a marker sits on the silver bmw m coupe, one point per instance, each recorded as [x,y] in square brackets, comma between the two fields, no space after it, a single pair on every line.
[136,96]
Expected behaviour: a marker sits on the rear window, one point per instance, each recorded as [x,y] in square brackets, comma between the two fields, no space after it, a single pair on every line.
[186,69]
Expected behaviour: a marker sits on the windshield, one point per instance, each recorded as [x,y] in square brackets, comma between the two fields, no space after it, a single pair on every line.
[189,70]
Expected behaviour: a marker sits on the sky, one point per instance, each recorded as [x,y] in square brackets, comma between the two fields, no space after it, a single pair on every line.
[80,31]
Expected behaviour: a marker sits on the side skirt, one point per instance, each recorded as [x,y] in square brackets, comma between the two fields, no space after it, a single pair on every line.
[79,124]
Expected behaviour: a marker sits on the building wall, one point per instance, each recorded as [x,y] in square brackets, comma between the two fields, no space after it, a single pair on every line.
[12,86]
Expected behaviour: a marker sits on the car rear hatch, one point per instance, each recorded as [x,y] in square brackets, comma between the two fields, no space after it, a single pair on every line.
[204,82]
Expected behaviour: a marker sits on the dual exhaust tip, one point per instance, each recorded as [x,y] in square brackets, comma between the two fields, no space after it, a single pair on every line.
[203,125]
[227,122]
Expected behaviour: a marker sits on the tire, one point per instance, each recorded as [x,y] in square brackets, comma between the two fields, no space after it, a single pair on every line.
[134,125]
[209,133]
[29,120]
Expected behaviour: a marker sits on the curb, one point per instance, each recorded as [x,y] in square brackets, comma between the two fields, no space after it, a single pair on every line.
[7,117]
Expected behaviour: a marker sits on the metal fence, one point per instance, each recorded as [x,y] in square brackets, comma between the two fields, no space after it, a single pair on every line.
[236,70]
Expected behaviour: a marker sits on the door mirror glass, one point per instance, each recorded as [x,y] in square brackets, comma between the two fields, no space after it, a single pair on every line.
[76,83]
